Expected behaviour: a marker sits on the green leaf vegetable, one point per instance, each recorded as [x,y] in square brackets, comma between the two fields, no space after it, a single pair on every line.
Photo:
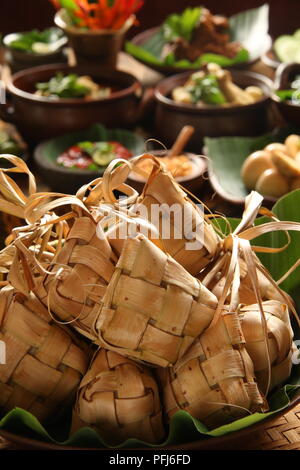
[102,153]
[182,25]
[293,94]
[8,144]
[26,41]
[206,89]
[63,87]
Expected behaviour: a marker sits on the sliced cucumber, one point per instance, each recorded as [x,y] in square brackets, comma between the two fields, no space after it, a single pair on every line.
[4,137]
[10,147]
[41,48]
[101,158]
[287,48]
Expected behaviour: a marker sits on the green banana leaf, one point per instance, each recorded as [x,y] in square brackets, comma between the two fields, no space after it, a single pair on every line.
[227,155]
[184,428]
[248,27]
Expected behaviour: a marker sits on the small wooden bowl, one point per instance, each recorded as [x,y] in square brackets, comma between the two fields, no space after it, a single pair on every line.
[237,201]
[70,180]
[20,60]
[141,38]
[283,78]
[192,183]
[206,443]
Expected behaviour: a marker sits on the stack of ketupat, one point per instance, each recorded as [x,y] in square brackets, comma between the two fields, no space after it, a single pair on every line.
[204,330]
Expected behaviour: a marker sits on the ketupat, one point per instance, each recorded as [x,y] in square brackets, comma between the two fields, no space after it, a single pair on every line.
[215,380]
[223,364]
[44,365]
[120,399]
[162,190]
[280,337]
[153,309]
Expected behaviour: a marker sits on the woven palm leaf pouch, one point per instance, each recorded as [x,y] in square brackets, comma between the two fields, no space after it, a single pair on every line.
[153,309]
[168,208]
[44,364]
[120,399]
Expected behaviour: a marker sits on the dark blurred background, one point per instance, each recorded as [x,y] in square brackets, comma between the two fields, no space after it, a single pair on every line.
[21,15]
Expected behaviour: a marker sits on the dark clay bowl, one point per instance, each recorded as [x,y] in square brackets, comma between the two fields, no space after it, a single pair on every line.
[211,121]
[283,78]
[40,118]
[192,183]
[20,60]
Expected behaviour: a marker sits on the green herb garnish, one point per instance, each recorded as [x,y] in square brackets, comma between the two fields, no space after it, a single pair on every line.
[207,90]
[103,153]
[9,145]
[26,41]
[293,94]
[63,87]
[181,26]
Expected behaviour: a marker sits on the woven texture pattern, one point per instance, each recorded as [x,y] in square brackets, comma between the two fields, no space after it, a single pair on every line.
[120,399]
[161,188]
[214,381]
[280,337]
[215,279]
[281,434]
[176,211]
[138,318]
[43,365]
[81,273]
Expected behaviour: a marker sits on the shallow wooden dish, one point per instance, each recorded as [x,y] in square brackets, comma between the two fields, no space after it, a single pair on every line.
[206,443]
[192,183]
[239,201]
[141,38]
[20,60]
[70,180]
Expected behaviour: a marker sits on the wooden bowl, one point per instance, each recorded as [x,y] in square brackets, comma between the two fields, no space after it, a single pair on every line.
[20,60]
[70,180]
[192,183]
[270,59]
[40,118]
[141,38]
[238,201]
[226,157]
[283,78]
[211,121]
[206,443]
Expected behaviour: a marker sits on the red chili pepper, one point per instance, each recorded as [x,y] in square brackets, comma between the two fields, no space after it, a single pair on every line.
[102,14]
